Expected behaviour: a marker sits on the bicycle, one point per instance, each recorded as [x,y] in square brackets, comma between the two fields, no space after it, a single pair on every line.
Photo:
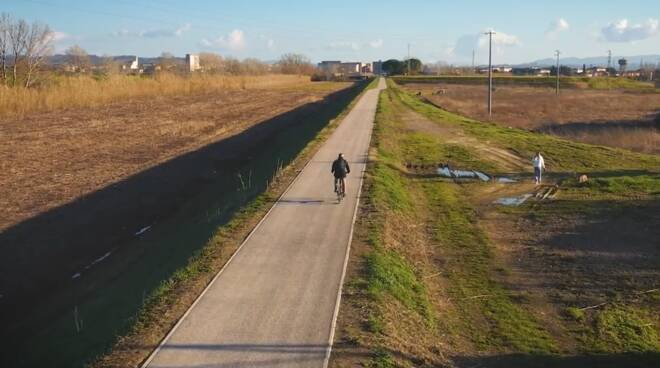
[340,189]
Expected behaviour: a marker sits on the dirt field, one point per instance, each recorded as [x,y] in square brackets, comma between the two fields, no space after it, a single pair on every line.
[618,118]
[53,158]
[105,203]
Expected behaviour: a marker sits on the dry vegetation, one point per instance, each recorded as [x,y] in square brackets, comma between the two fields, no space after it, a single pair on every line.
[49,159]
[619,118]
[85,91]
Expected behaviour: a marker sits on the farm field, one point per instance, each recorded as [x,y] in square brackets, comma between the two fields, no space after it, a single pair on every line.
[102,204]
[55,157]
[619,118]
[443,272]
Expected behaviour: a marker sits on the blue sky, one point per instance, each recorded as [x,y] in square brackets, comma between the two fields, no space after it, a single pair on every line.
[350,30]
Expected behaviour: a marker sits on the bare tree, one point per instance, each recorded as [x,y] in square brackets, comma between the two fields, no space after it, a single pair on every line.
[77,57]
[211,62]
[295,64]
[110,65]
[5,22]
[167,60]
[38,46]
[17,34]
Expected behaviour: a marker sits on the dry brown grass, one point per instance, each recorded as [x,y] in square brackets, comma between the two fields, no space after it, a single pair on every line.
[49,159]
[617,118]
[85,91]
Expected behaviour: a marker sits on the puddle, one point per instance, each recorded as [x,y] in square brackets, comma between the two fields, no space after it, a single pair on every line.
[513,201]
[506,180]
[466,174]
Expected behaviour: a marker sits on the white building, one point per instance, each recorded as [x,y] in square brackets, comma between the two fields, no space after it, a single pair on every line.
[135,65]
[192,62]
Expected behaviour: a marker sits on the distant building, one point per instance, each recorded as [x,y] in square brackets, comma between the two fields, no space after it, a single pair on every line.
[350,67]
[329,66]
[192,62]
[135,65]
[377,67]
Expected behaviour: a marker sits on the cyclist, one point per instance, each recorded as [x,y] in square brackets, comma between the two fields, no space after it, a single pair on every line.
[340,168]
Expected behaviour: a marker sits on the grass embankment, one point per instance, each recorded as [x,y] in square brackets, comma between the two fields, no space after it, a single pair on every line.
[165,304]
[436,292]
[85,91]
[564,82]
[561,154]
[417,227]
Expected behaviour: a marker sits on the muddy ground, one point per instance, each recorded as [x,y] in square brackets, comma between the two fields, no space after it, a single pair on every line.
[619,118]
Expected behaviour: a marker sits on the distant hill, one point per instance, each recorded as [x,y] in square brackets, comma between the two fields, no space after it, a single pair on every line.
[97,60]
[633,61]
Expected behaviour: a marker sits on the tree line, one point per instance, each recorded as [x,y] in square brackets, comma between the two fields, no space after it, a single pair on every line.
[24,48]
[402,67]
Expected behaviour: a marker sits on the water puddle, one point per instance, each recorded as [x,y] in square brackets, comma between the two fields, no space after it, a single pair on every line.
[506,180]
[462,174]
[513,201]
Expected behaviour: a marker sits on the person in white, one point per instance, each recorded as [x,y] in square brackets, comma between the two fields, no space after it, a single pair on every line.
[539,166]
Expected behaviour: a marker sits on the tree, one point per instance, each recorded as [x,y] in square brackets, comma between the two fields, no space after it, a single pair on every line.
[17,34]
[295,64]
[210,62]
[38,46]
[393,67]
[167,60]
[77,57]
[5,21]
[415,66]
[109,64]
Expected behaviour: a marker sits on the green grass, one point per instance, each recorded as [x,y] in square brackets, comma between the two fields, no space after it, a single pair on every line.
[618,83]
[622,328]
[388,272]
[504,80]
[646,184]
[469,259]
[469,267]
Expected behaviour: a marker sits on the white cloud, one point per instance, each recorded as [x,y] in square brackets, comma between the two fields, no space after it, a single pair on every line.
[59,36]
[468,43]
[345,45]
[270,44]
[556,27]
[235,40]
[623,31]
[154,33]
[376,44]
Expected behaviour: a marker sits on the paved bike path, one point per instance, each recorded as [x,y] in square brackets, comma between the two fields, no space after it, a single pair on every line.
[274,304]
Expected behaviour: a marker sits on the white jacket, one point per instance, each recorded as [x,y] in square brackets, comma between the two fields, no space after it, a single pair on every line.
[538,162]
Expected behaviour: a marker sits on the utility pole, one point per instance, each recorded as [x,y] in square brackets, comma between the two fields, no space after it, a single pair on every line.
[557,88]
[409,58]
[490,73]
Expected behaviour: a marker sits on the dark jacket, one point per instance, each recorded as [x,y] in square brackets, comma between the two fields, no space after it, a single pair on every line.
[340,168]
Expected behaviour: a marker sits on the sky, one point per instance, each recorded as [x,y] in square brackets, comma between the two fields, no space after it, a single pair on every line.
[351,30]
